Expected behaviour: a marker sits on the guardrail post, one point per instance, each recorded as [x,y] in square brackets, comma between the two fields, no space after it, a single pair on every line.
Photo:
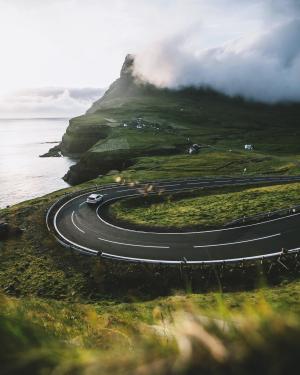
[181,271]
[279,260]
[243,266]
[271,266]
[261,268]
[297,263]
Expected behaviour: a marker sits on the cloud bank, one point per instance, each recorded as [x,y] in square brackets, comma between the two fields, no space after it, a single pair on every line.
[48,102]
[240,47]
[263,66]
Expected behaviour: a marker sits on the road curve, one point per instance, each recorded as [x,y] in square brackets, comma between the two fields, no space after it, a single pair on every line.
[82,227]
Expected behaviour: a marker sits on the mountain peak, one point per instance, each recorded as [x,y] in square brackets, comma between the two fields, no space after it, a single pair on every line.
[128,65]
[124,87]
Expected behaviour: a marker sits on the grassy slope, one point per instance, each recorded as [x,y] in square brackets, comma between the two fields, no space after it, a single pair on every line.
[204,117]
[83,312]
[195,116]
[212,163]
[209,208]
[133,140]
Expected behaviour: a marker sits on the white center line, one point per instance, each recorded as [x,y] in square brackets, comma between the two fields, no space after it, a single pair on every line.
[136,245]
[72,218]
[238,242]
[125,190]
[197,183]
[164,186]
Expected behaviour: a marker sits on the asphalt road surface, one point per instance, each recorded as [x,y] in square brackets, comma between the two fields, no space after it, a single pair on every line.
[85,228]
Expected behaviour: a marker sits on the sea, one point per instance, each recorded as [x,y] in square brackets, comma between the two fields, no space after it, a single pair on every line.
[23,174]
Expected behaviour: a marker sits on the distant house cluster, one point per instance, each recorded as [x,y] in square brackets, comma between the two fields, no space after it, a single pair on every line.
[141,124]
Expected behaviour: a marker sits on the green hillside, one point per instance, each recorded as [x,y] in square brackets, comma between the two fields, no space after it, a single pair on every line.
[204,209]
[66,313]
[159,122]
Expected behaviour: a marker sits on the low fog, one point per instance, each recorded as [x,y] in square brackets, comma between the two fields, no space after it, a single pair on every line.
[262,66]
[48,102]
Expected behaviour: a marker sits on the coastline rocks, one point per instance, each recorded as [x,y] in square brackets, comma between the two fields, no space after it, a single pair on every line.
[78,174]
[54,152]
[92,165]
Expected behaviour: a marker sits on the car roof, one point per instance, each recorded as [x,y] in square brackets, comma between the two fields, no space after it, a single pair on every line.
[95,195]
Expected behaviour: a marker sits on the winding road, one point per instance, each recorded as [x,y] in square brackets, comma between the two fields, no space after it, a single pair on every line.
[85,228]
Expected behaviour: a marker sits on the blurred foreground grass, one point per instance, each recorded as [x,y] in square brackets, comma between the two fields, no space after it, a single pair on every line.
[41,337]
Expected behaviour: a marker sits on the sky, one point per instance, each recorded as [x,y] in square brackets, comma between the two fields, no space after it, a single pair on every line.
[72,44]
[262,63]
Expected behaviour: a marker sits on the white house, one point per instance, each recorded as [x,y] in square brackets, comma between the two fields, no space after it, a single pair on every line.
[194,149]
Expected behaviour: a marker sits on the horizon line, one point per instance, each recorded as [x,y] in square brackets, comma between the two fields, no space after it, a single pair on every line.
[35,118]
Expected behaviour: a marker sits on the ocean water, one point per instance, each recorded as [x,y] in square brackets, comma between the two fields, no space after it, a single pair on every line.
[23,174]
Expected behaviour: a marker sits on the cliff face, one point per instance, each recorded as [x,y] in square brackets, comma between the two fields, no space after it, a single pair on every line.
[84,131]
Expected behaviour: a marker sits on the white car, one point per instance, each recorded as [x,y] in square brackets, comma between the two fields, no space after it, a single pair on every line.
[94,198]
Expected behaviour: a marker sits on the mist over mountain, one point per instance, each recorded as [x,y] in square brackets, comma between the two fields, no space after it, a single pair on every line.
[48,102]
[262,66]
